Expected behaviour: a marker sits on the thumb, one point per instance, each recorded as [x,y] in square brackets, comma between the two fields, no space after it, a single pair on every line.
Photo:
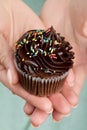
[7,60]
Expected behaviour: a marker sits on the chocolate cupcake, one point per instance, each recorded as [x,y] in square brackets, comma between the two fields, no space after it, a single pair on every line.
[43,59]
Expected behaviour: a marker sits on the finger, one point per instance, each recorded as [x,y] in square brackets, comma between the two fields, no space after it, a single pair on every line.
[60,104]
[70,78]
[33,21]
[42,103]
[70,95]
[68,89]
[28,108]
[80,76]
[38,117]
[57,116]
[6,59]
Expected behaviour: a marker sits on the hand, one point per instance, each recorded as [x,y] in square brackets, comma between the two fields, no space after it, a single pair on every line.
[58,14]
[13,23]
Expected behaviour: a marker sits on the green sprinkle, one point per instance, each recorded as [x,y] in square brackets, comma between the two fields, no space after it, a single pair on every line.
[36,53]
[49,38]
[22,43]
[29,35]
[50,42]
[46,40]
[32,49]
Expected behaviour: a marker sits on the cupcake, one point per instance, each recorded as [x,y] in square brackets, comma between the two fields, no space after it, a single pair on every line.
[43,59]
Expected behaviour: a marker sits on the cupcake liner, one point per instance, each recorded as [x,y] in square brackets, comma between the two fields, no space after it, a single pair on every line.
[41,86]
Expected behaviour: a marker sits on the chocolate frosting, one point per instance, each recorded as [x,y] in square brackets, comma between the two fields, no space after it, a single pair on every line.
[43,53]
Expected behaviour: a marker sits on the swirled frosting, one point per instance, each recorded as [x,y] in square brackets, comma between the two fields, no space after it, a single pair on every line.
[43,53]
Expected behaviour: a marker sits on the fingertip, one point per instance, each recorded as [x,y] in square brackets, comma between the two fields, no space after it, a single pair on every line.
[57,117]
[38,117]
[28,108]
[34,126]
[48,107]
[9,76]
[12,76]
[15,78]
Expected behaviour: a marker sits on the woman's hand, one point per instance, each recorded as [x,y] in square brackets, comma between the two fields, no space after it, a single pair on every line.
[15,19]
[14,22]
[59,14]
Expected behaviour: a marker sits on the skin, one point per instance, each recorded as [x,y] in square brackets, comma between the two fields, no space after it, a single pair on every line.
[10,31]
[12,26]
[64,101]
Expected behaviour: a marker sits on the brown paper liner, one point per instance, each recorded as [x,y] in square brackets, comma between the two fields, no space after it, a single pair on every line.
[41,87]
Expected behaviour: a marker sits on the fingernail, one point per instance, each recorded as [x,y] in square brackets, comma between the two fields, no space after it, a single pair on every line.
[34,126]
[49,112]
[68,115]
[9,76]
[26,115]
[75,106]
[56,121]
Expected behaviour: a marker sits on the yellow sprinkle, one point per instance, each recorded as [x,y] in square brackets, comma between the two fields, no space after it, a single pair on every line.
[19,46]
[52,51]
[24,40]
[27,53]
[16,44]
[39,33]
[23,59]
[56,42]
[45,53]
[54,71]
[34,39]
